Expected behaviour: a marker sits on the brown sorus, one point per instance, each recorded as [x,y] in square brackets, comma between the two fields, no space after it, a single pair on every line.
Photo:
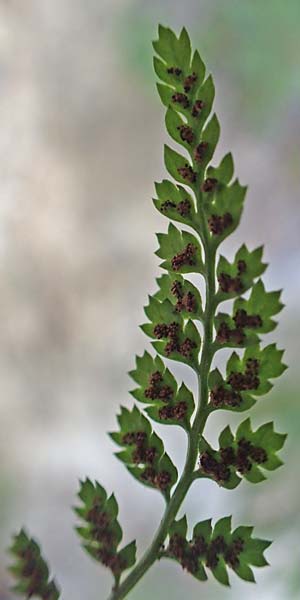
[183,207]
[187,302]
[176,289]
[160,330]
[186,257]
[226,335]
[155,378]
[165,393]
[227,455]
[189,82]
[177,546]
[221,396]
[172,346]
[167,205]
[186,348]
[258,455]
[186,133]
[218,224]
[174,71]
[241,266]
[230,284]
[197,108]
[187,173]
[242,319]
[182,99]
[162,480]
[200,151]
[209,184]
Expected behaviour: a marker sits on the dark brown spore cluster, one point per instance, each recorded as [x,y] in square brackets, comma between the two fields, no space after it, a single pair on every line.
[187,173]
[229,284]
[157,390]
[209,185]
[220,396]
[191,554]
[197,108]
[186,347]
[182,99]
[249,380]
[237,335]
[174,71]
[142,453]
[226,335]
[185,257]
[200,152]
[167,205]
[32,571]
[241,458]
[185,301]
[218,470]
[183,207]
[160,480]
[146,455]
[189,82]
[219,223]
[177,412]
[172,332]
[186,133]
[242,319]
[103,532]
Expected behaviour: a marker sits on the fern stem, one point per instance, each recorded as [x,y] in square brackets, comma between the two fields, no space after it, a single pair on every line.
[172,508]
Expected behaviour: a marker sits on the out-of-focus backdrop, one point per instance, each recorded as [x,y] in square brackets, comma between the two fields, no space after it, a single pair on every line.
[81,139]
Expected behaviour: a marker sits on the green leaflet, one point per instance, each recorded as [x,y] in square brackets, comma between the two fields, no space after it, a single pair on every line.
[30,569]
[179,130]
[176,203]
[249,318]
[143,453]
[237,277]
[158,387]
[269,365]
[265,304]
[179,527]
[198,67]
[224,172]
[146,365]
[101,532]
[180,250]
[246,378]
[229,335]
[216,549]
[182,294]
[161,312]
[179,343]
[241,456]
[174,51]
[223,208]
[179,168]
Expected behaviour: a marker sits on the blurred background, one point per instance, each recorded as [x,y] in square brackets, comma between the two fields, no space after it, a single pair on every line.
[82,131]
